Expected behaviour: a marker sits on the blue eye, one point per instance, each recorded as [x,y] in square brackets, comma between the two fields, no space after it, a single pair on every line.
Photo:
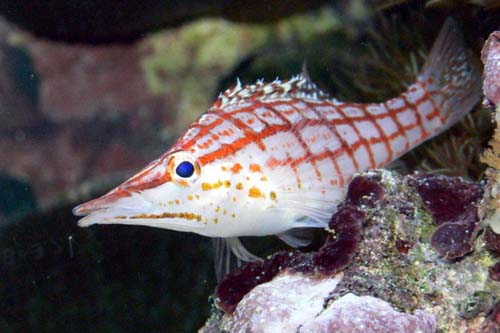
[185,169]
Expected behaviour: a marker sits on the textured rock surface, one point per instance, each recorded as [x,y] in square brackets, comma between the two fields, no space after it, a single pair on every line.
[492,240]
[282,305]
[492,324]
[490,56]
[294,303]
[490,208]
[354,314]
[399,263]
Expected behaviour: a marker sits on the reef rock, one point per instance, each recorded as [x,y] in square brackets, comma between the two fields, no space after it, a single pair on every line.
[281,305]
[354,314]
[295,303]
[490,55]
[415,261]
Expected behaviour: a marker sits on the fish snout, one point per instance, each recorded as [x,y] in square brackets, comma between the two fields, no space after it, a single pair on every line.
[103,202]
[150,177]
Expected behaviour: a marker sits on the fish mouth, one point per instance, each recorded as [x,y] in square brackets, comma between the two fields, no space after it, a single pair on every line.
[111,208]
[134,210]
[179,221]
[106,201]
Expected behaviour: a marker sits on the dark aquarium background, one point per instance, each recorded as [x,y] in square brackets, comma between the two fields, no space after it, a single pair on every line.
[91,91]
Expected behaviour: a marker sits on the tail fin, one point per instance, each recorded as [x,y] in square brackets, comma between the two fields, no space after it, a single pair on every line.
[453,78]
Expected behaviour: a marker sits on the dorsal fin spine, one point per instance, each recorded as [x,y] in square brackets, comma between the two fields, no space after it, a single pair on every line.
[299,86]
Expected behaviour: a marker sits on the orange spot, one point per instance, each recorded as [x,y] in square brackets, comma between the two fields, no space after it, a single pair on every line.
[272,195]
[208,186]
[227,183]
[254,192]
[224,212]
[236,168]
[239,186]
[187,216]
[190,197]
[182,182]
[255,168]
[223,168]
[177,201]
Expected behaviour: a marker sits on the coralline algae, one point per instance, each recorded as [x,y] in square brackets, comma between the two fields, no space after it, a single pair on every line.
[410,247]
[453,204]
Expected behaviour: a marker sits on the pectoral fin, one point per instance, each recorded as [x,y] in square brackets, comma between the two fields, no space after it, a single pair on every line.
[297,237]
[224,261]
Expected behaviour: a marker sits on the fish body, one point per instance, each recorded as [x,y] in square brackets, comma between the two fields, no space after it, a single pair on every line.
[271,157]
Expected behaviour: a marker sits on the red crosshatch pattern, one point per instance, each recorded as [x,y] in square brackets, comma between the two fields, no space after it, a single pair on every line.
[394,125]
[290,129]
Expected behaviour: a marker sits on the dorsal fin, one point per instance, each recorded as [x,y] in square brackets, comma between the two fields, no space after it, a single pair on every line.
[299,86]
[304,72]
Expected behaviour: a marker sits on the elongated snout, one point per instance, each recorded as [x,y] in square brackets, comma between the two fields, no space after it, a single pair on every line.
[103,202]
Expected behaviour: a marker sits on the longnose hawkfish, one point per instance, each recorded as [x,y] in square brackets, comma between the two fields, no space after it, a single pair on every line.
[269,158]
